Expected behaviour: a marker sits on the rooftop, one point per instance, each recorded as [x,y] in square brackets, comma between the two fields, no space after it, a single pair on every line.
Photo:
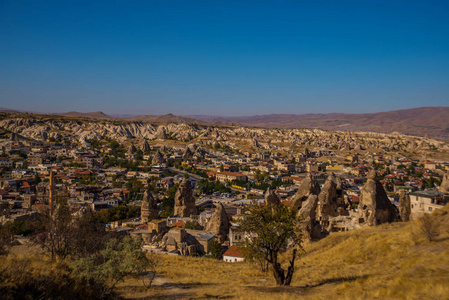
[234,251]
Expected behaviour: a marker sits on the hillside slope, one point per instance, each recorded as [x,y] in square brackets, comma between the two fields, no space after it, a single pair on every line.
[98,115]
[433,121]
[391,261]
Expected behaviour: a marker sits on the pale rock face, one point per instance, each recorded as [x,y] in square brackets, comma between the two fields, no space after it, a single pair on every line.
[184,201]
[158,158]
[161,134]
[149,210]
[132,149]
[271,198]
[327,201]
[404,206]
[308,187]
[187,154]
[307,215]
[255,144]
[83,130]
[145,146]
[335,180]
[444,187]
[374,207]
[330,201]
[219,223]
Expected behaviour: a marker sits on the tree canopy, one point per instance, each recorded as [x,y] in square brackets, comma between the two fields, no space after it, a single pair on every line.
[273,229]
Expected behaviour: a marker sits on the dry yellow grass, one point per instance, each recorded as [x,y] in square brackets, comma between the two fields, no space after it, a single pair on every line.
[390,261]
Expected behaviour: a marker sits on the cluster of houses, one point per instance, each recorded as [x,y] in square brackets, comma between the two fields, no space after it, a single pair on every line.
[88,178]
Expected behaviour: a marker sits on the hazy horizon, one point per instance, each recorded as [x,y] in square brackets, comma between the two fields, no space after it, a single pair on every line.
[130,115]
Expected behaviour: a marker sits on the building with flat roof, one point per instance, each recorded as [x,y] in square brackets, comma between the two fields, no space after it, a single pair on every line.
[424,202]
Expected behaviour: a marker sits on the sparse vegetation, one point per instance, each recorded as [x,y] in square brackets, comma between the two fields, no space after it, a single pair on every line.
[429,227]
[275,227]
[381,262]
[118,260]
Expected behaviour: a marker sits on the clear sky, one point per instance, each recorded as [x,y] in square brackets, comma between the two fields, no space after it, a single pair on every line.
[223,57]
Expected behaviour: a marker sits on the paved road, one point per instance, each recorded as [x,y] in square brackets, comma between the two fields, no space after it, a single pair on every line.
[198,178]
[194,176]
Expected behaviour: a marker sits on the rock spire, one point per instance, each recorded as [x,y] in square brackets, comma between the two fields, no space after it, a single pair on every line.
[374,207]
[149,208]
[308,187]
[184,201]
[219,223]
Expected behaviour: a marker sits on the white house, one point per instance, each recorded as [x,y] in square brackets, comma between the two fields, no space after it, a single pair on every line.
[234,254]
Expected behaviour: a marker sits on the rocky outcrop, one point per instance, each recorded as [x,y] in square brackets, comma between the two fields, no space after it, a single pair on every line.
[184,201]
[308,187]
[271,198]
[219,223]
[145,146]
[404,206]
[255,144]
[161,134]
[335,180]
[158,158]
[374,207]
[83,130]
[149,210]
[132,150]
[307,217]
[327,203]
[444,187]
[187,154]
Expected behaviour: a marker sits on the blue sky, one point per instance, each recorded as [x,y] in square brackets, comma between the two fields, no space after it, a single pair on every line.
[223,57]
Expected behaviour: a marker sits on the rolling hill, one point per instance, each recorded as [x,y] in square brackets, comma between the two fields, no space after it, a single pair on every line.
[433,121]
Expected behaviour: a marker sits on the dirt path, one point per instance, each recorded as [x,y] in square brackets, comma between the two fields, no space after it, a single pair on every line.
[173,290]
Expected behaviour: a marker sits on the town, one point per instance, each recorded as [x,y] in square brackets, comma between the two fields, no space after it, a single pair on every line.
[183,188]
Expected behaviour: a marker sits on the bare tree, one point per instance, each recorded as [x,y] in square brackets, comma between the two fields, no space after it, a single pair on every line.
[6,238]
[429,226]
[63,234]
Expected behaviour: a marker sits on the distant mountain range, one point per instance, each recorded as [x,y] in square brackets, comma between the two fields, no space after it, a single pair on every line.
[433,121]
[98,115]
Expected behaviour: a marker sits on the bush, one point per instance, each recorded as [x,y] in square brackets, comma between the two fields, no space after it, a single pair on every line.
[119,259]
[26,279]
[429,227]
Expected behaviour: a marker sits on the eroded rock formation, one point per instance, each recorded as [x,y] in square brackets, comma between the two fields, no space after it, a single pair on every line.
[219,223]
[444,187]
[404,206]
[158,158]
[307,216]
[308,187]
[374,207]
[271,198]
[184,201]
[149,210]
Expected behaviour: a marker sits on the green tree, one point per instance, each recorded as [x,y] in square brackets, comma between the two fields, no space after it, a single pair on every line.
[118,260]
[215,250]
[21,227]
[272,228]
[36,179]
[193,225]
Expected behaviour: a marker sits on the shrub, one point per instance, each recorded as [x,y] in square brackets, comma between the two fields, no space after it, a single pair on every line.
[429,227]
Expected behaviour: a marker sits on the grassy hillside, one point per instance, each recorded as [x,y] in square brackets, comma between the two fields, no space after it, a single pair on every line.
[392,261]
